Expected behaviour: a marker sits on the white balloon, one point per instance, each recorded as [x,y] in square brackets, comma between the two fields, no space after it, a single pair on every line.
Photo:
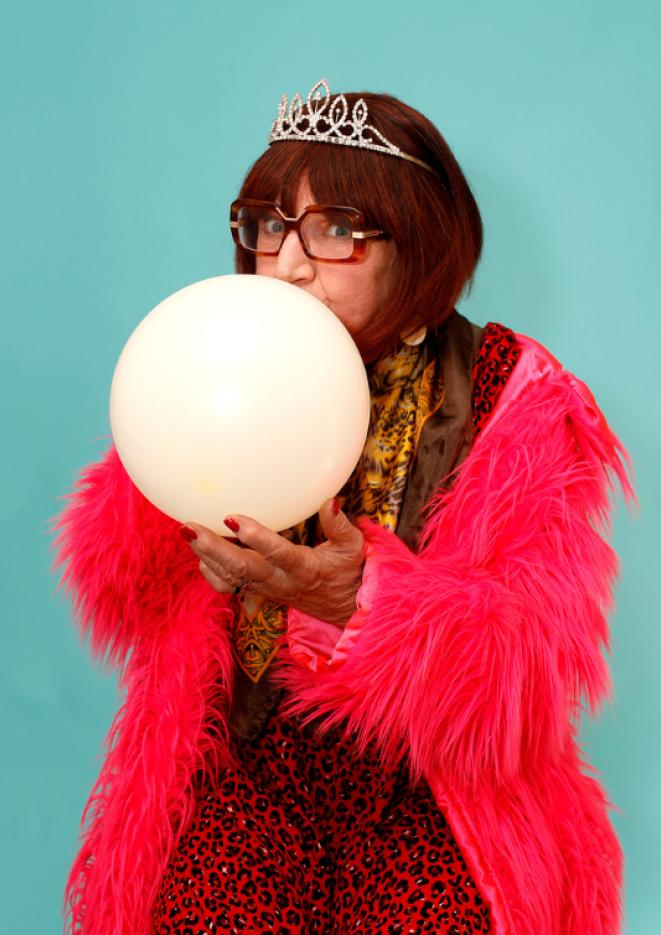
[240,394]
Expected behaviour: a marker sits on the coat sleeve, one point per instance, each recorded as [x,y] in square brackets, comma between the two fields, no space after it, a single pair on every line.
[123,562]
[476,652]
[139,597]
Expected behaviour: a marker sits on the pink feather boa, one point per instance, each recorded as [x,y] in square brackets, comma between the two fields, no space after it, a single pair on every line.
[471,659]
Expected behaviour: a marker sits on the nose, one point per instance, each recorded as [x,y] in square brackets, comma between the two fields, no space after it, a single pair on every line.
[292,265]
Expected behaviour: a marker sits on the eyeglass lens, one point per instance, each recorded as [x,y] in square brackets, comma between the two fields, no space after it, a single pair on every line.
[326,234]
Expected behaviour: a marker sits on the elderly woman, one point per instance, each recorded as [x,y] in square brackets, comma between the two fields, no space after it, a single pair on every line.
[368,721]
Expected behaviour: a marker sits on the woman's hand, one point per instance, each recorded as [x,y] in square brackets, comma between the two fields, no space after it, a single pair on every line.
[322,582]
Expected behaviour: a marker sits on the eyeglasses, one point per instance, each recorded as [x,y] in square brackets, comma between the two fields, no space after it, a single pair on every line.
[326,232]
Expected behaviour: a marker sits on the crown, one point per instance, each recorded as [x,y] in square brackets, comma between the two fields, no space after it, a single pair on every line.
[320,120]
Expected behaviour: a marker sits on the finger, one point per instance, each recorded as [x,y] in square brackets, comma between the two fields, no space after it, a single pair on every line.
[338,528]
[217,569]
[278,551]
[230,561]
[216,581]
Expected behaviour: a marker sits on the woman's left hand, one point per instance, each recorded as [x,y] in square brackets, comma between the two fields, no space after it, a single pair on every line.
[321,581]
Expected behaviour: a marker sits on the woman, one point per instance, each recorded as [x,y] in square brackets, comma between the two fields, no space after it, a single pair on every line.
[367,721]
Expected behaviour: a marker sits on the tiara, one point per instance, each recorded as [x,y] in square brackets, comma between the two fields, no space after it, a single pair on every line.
[317,120]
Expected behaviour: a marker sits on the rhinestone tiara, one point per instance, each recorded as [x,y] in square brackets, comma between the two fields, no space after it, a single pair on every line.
[318,120]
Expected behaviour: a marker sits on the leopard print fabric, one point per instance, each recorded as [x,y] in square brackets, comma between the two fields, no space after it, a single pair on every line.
[305,836]
[496,358]
[403,394]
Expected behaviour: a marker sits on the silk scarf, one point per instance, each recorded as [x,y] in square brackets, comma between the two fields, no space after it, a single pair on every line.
[406,388]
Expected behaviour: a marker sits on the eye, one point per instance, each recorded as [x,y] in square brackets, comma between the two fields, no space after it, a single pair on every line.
[335,227]
[272,224]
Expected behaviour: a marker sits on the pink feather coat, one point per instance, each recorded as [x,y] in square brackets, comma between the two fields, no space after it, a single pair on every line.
[471,658]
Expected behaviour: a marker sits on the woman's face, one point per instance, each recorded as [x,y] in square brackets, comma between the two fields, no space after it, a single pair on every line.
[352,291]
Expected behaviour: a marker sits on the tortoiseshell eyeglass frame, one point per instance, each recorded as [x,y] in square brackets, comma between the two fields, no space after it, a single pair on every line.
[360,232]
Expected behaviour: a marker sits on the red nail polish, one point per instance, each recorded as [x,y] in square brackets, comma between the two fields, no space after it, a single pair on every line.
[188,533]
[231,524]
[336,506]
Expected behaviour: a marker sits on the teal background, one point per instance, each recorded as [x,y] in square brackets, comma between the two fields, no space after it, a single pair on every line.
[126,129]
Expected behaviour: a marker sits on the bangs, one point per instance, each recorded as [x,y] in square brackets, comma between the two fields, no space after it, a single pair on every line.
[337,175]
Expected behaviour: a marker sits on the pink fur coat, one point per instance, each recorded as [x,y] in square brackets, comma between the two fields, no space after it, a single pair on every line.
[471,658]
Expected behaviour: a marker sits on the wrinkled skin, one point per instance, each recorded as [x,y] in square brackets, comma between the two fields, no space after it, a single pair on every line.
[321,581]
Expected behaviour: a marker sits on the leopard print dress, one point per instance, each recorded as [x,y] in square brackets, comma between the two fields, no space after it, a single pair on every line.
[305,836]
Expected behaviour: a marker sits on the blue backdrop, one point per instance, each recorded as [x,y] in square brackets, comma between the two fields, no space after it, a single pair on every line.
[126,129]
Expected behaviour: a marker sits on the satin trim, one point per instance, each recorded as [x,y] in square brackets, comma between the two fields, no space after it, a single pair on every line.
[466,834]
[536,363]
[318,644]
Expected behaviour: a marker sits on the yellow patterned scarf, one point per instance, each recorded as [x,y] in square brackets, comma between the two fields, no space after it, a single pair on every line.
[404,393]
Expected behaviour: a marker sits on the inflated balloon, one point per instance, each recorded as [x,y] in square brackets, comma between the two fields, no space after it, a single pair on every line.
[240,394]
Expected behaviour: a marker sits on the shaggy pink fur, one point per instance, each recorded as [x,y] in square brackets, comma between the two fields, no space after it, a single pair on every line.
[476,653]
[149,612]
[471,662]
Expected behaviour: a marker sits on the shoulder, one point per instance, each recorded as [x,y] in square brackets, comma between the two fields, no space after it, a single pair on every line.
[503,364]
[518,382]
[536,395]
[508,364]
[512,365]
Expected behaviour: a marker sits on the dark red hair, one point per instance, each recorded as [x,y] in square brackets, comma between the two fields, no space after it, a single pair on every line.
[432,217]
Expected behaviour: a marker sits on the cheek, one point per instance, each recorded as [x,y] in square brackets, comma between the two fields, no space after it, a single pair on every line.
[368,289]
[349,284]
[264,266]
[345,296]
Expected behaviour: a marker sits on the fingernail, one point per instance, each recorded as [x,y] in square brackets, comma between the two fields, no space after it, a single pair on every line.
[336,506]
[188,533]
[231,524]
